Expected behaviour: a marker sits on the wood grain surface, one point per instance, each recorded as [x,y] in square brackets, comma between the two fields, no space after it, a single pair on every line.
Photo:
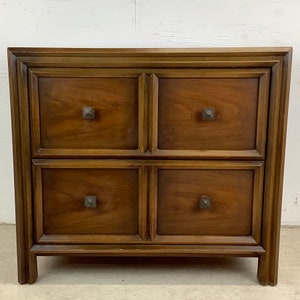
[179,193]
[63,201]
[116,122]
[180,104]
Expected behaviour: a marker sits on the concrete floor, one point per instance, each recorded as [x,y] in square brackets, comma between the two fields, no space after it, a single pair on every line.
[84,278]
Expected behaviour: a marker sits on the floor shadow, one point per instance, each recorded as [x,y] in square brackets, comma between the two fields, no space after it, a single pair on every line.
[140,270]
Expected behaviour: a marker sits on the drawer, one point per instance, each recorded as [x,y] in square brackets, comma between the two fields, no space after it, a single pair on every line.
[79,115]
[211,113]
[204,202]
[83,202]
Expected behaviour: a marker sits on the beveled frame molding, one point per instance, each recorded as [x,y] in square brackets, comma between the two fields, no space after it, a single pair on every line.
[253,239]
[37,149]
[41,238]
[258,153]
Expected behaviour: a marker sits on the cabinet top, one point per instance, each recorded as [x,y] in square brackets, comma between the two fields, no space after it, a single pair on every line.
[242,51]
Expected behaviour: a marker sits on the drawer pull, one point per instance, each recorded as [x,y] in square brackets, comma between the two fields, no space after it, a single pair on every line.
[208,114]
[88,113]
[205,202]
[90,201]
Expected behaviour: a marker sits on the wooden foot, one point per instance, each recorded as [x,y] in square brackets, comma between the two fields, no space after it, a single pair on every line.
[267,270]
[33,274]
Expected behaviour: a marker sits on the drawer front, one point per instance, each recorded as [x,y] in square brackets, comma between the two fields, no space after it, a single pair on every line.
[75,202]
[198,203]
[182,105]
[80,115]
[114,100]
[212,112]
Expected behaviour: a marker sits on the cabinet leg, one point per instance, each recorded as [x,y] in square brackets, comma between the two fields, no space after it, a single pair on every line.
[267,270]
[32,276]
[27,268]
[262,271]
[22,269]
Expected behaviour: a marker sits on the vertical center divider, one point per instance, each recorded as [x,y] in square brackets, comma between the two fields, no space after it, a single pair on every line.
[143,113]
[143,202]
[153,113]
[152,186]
[153,139]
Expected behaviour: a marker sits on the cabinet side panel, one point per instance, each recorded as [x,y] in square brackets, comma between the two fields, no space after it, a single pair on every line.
[20,201]
[268,263]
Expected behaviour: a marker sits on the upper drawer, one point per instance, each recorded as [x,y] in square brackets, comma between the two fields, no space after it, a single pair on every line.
[193,113]
[210,112]
[74,113]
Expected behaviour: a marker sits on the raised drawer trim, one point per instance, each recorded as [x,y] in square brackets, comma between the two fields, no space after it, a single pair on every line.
[257,167]
[56,164]
[147,250]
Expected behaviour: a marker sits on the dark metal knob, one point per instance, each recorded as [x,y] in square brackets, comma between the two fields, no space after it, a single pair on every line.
[208,114]
[205,202]
[88,113]
[90,201]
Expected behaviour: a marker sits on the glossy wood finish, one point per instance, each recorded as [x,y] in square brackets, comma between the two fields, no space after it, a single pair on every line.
[148,77]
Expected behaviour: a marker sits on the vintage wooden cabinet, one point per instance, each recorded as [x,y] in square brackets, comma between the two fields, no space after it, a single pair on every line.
[149,152]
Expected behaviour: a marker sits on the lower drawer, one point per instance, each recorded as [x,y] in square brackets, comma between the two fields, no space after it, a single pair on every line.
[79,201]
[147,201]
[207,202]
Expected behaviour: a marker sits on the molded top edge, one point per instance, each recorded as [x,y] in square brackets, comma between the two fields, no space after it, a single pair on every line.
[240,51]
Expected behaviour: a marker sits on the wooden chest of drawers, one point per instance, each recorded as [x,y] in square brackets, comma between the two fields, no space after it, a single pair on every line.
[149,152]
